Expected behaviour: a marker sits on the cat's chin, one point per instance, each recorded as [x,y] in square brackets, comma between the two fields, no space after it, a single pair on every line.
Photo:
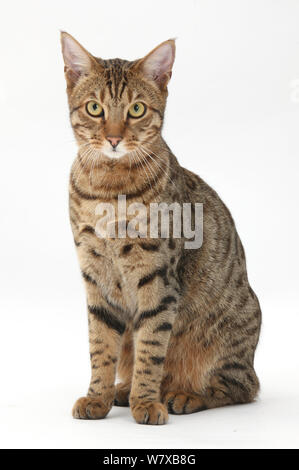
[114,154]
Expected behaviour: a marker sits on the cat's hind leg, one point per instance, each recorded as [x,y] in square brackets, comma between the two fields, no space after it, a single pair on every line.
[224,389]
[200,375]
[179,403]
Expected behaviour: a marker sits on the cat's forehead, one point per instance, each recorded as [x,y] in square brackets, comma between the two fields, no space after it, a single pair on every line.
[117,80]
[117,84]
[116,65]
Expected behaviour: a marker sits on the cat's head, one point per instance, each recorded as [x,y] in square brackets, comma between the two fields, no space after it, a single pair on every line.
[116,106]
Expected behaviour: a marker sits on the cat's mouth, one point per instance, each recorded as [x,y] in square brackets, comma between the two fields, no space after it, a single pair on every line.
[100,149]
[114,152]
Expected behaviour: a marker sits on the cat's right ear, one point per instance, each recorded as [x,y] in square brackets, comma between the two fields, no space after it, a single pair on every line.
[78,61]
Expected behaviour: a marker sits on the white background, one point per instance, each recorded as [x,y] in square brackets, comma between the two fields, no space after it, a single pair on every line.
[232,118]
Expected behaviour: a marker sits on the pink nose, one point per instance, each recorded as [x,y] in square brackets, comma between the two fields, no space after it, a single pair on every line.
[114,140]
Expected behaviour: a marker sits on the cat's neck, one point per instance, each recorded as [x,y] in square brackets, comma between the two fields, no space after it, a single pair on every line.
[142,174]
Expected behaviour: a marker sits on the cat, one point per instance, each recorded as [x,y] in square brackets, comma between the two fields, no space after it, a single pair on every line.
[178,326]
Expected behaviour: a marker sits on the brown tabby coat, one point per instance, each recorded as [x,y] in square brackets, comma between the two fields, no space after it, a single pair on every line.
[179,326]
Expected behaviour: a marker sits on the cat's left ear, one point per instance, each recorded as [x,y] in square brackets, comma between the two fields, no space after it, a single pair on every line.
[157,65]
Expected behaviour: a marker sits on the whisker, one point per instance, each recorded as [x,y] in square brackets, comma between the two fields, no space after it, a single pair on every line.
[162,169]
[151,170]
[129,170]
[85,160]
[93,162]
[143,167]
[153,153]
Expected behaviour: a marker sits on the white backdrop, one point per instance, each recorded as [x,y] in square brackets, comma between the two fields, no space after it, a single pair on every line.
[232,118]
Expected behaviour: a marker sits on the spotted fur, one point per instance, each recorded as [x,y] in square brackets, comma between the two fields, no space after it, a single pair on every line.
[179,326]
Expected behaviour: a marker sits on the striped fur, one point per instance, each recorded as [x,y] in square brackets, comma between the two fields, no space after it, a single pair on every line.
[179,326]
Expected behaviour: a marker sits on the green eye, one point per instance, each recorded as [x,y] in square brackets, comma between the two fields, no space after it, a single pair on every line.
[94,109]
[137,110]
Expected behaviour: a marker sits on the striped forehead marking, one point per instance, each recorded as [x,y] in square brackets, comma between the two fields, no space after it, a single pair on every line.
[116,77]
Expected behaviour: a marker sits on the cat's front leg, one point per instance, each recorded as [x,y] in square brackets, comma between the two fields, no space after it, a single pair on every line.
[152,328]
[105,332]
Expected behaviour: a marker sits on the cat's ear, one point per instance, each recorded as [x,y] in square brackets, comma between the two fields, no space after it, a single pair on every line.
[78,61]
[157,65]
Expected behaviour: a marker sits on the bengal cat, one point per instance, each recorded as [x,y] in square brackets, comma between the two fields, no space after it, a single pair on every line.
[179,326]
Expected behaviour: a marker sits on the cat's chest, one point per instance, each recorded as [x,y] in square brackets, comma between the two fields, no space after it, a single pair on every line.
[87,214]
[98,213]
[90,214]
[112,222]
[102,228]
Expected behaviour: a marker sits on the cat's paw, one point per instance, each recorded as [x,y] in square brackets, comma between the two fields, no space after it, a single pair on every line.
[90,408]
[180,403]
[150,413]
[122,393]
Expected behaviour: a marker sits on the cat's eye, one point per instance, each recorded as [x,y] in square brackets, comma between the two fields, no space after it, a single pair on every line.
[137,110]
[94,109]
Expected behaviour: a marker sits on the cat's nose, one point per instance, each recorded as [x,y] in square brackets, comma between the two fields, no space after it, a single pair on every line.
[114,140]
